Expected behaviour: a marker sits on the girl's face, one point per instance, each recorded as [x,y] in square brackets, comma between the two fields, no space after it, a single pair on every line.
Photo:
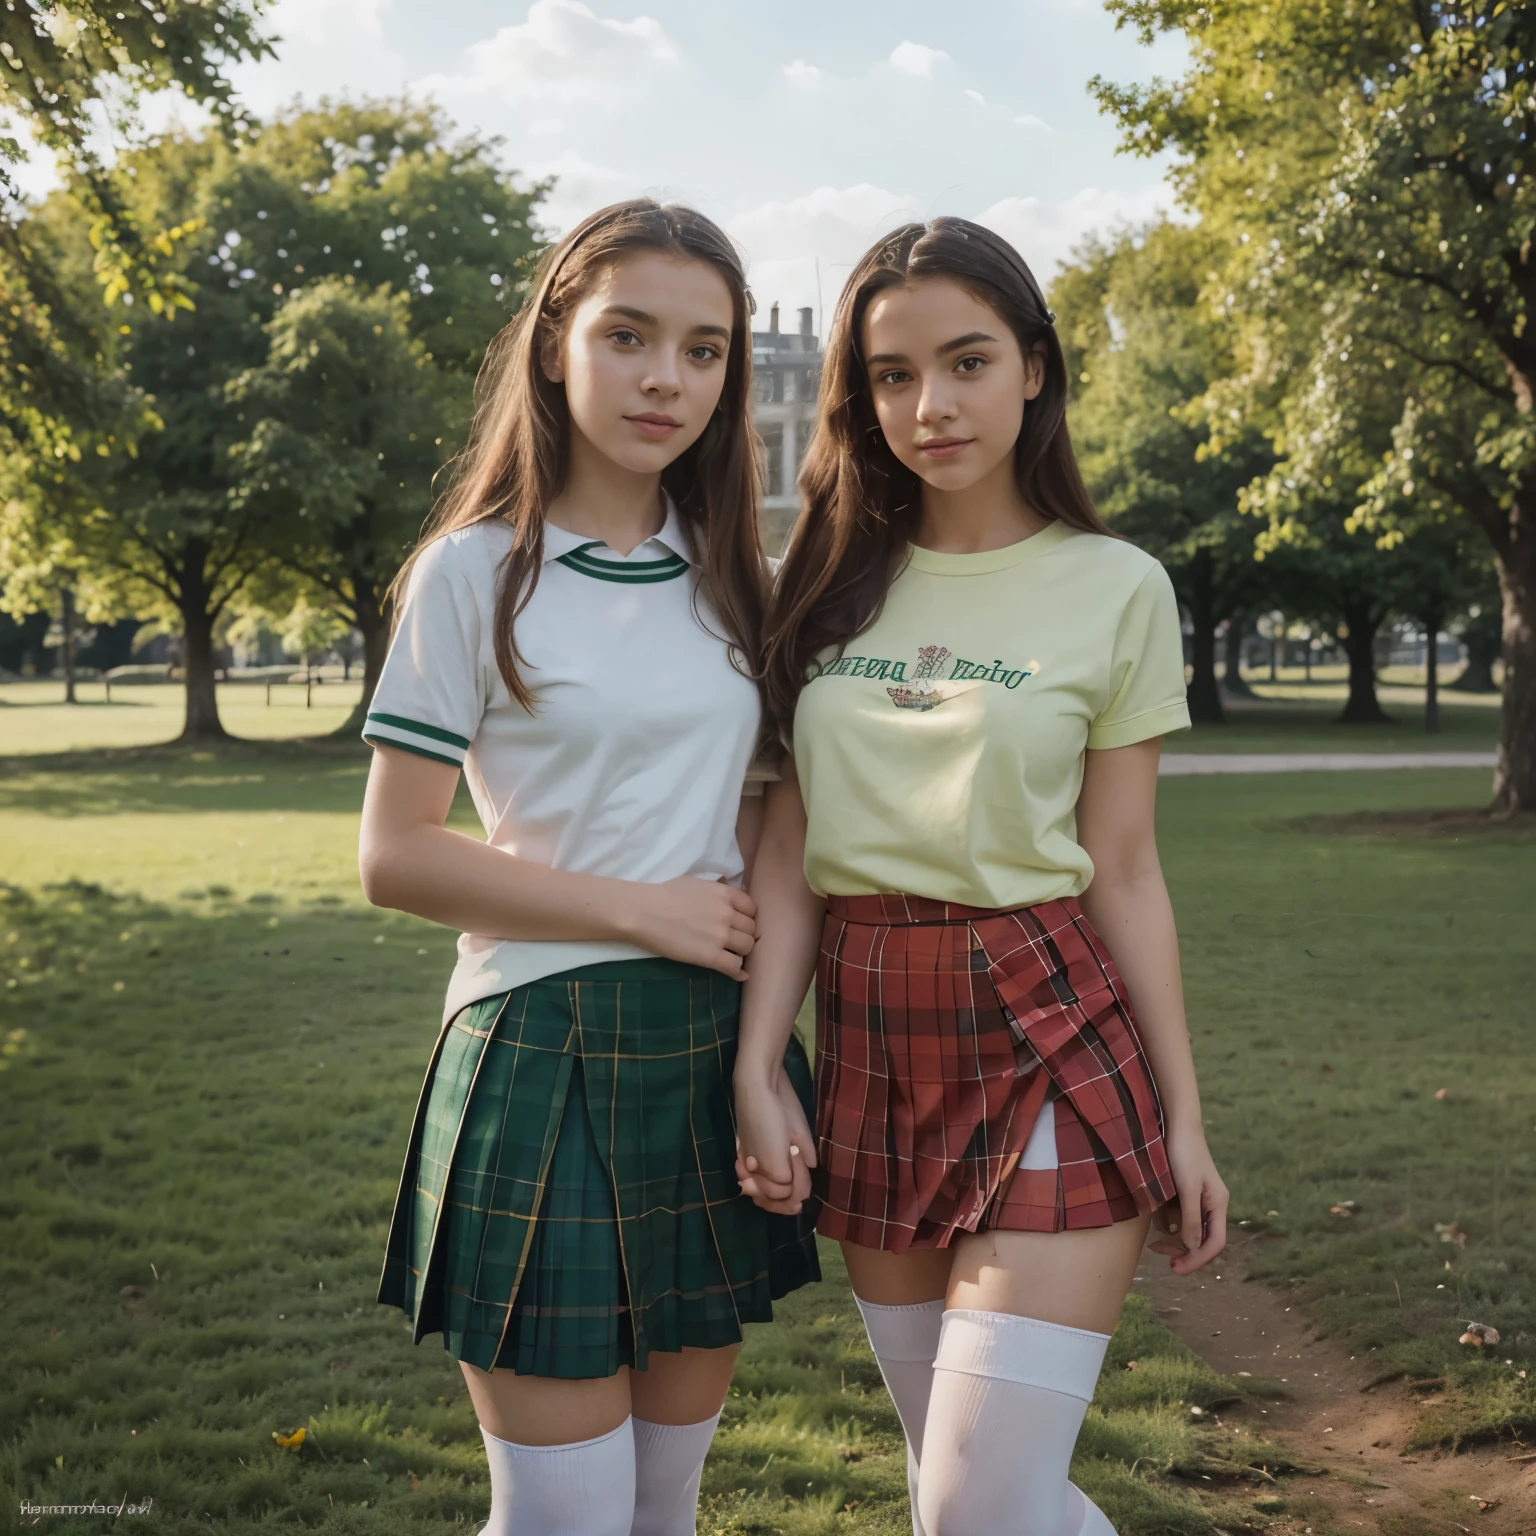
[643,358]
[948,380]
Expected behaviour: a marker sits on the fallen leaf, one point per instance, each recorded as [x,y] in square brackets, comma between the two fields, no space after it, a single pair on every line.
[1442,1094]
[1484,1505]
[1343,1208]
[1133,1365]
[291,1442]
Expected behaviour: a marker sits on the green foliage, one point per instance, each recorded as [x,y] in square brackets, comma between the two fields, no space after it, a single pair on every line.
[305,401]
[1145,345]
[1368,168]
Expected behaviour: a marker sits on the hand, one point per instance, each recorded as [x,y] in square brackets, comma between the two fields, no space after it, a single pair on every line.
[775,1150]
[698,921]
[1196,1238]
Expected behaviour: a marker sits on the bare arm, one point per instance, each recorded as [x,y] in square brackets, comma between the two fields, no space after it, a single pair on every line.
[408,859]
[1127,902]
[769,1119]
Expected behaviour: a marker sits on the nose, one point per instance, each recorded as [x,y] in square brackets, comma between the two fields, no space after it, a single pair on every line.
[662,375]
[936,402]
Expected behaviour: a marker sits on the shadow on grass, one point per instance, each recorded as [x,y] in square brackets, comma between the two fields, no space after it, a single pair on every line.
[202,1116]
[322,773]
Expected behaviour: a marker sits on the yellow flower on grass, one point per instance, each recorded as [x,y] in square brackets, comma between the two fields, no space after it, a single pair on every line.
[291,1442]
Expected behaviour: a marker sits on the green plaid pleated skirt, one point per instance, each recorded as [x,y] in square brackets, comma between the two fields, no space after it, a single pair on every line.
[569,1200]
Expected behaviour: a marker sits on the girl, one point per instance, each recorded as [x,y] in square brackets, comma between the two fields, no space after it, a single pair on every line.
[577,632]
[977,675]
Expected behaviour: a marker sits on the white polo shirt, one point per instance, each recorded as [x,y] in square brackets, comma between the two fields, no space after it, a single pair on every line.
[633,761]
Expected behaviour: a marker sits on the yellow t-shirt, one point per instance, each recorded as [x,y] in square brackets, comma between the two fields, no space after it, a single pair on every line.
[942,754]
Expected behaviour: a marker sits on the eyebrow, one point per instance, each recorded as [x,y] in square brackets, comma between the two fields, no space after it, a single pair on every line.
[968,340]
[643,318]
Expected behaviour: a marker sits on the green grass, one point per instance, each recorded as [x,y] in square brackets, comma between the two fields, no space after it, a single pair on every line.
[1295,717]
[212,1048]
[34,718]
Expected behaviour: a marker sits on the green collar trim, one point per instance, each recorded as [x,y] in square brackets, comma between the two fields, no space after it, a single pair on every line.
[580,561]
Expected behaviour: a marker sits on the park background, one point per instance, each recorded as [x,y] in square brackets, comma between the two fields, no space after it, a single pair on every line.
[251,257]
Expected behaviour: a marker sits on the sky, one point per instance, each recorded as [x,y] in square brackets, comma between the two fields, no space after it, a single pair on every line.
[805,127]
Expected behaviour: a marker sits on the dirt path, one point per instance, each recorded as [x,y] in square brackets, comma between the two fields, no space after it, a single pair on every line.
[1177,764]
[1331,1419]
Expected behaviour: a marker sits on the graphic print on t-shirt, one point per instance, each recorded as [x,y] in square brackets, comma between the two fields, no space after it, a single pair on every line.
[923,690]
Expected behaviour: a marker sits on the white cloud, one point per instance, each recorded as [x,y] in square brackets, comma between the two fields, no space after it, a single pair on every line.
[803,76]
[320,23]
[564,52]
[976,96]
[1029,120]
[1046,233]
[792,243]
[916,59]
[800,250]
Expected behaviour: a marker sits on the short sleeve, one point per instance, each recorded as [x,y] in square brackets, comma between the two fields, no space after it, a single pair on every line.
[430,696]
[1147,695]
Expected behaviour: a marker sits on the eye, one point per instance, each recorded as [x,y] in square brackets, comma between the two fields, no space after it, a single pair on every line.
[971,364]
[624,336]
[705,352]
[893,376]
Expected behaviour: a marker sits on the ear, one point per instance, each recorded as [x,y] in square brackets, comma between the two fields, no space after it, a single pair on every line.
[549,357]
[1034,371]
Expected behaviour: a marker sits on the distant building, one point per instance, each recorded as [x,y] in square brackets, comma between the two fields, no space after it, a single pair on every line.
[786,370]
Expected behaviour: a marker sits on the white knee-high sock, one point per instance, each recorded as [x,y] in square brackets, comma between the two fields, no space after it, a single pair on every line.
[1009,1396]
[669,1461]
[905,1340]
[583,1489]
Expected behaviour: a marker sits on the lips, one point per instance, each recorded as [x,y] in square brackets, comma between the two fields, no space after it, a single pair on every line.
[944,447]
[653,424]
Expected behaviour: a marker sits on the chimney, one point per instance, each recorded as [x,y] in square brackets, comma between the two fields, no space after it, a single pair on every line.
[805,321]
[773,320]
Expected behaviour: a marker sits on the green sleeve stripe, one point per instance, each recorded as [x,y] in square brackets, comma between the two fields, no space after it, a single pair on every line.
[432,732]
[405,746]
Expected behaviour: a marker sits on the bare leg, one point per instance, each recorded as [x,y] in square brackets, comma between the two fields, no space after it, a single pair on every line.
[682,1388]
[1078,1279]
[545,1410]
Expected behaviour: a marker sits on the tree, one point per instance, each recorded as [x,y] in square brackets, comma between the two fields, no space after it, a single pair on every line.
[369,192]
[347,415]
[65,61]
[1144,348]
[1372,162]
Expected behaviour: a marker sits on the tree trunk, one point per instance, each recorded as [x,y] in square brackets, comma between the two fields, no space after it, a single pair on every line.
[1204,695]
[1432,622]
[1514,776]
[1232,682]
[67,648]
[202,721]
[1362,707]
[1483,648]
[371,616]
[1275,642]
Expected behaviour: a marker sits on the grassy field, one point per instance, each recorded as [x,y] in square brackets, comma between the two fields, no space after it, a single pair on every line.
[1291,716]
[213,1047]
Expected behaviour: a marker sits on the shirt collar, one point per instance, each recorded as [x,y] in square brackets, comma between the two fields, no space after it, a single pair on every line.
[672,536]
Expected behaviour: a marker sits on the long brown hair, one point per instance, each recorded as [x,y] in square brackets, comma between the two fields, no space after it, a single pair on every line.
[860,504]
[516,459]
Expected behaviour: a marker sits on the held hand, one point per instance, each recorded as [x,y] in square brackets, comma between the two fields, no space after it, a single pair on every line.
[774,1147]
[697,921]
[1196,1221]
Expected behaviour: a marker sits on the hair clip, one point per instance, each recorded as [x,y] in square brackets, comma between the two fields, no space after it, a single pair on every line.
[1050,317]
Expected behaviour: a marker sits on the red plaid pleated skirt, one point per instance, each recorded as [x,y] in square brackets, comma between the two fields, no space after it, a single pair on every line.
[977,1069]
